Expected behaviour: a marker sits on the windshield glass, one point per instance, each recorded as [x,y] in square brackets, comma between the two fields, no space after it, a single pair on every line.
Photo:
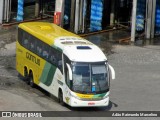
[90,77]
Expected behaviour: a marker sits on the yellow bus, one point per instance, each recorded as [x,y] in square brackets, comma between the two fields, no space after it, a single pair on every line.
[67,66]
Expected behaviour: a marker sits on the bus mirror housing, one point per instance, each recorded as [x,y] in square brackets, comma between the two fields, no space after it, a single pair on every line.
[69,71]
[112,72]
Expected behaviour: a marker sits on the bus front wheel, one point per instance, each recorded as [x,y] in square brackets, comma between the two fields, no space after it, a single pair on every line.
[60,98]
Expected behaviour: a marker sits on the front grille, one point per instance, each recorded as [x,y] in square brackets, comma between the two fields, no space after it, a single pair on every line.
[92,99]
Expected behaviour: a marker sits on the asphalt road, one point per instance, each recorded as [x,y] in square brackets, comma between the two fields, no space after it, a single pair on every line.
[136,87]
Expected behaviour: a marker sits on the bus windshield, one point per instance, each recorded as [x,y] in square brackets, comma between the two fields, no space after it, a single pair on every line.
[90,78]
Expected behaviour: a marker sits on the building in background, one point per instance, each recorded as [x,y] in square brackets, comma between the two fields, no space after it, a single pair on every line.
[25,9]
[83,16]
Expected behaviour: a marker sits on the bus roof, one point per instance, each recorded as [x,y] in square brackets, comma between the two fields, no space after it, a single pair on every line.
[47,32]
[75,47]
[79,49]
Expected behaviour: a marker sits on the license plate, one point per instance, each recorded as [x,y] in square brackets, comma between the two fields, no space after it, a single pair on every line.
[91,103]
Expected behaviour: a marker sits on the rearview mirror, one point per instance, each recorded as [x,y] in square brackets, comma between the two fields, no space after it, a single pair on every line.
[69,71]
[112,72]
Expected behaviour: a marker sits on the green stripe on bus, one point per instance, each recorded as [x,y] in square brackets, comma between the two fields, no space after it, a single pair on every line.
[99,95]
[48,74]
[57,48]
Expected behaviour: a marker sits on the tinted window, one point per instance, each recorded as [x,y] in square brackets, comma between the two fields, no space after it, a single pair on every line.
[43,50]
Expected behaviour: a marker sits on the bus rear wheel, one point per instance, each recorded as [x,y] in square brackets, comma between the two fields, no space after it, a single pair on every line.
[31,81]
[60,98]
[26,77]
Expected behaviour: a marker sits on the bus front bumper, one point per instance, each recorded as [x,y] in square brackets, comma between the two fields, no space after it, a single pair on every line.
[80,103]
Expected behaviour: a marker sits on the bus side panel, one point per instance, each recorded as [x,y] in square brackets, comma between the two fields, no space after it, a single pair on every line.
[36,69]
[19,58]
[51,79]
[25,58]
[45,74]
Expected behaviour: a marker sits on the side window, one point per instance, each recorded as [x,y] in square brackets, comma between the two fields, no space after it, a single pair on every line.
[26,43]
[59,58]
[52,57]
[20,35]
[55,58]
[45,52]
[39,48]
[32,43]
[25,40]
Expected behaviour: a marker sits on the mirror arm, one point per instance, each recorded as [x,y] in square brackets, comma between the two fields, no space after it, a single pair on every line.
[112,72]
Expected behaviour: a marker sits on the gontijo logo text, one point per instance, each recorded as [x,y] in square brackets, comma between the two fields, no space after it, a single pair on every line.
[32,58]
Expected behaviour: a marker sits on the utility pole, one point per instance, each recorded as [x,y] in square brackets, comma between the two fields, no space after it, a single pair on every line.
[60,4]
[72,19]
[1,11]
[112,16]
[7,9]
[153,18]
[150,16]
[77,14]
[62,14]
[37,6]
[134,13]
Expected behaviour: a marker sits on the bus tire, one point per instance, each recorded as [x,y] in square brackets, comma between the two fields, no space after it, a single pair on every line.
[60,98]
[26,77]
[31,81]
